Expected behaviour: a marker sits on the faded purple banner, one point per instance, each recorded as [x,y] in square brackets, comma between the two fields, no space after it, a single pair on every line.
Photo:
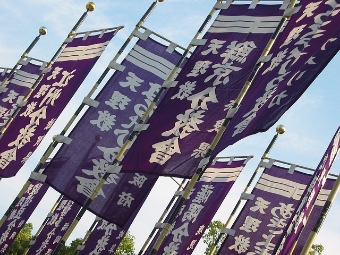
[300,53]
[55,228]
[199,209]
[187,119]
[295,225]
[313,217]
[263,218]
[17,88]
[98,136]
[48,100]
[20,214]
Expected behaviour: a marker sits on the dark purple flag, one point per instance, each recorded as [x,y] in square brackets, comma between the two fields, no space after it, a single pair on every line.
[77,168]
[313,217]
[48,100]
[55,228]
[106,237]
[296,224]
[17,88]
[299,54]
[187,119]
[20,214]
[263,218]
[199,209]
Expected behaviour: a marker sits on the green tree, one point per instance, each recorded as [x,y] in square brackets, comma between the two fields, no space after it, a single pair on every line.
[127,245]
[70,249]
[316,249]
[211,235]
[22,240]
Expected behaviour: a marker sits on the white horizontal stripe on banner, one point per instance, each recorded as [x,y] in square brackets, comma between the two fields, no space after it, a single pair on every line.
[280,186]
[146,67]
[155,57]
[150,62]
[322,197]
[24,79]
[82,52]
[221,174]
[244,24]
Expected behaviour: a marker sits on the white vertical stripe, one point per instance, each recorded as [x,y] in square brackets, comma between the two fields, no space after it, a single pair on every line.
[24,79]
[221,174]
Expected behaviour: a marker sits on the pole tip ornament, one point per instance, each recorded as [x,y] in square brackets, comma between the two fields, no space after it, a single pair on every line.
[160,1]
[280,129]
[42,30]
[90,6]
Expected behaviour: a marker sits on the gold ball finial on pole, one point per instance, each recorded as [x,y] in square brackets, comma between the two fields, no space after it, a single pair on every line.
[160,1]
[90,6]
[280,129]
[42,30]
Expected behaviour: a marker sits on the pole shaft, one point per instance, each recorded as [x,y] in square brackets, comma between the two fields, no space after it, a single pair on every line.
[321,218]
[106,175]
[225,123]
[180,186]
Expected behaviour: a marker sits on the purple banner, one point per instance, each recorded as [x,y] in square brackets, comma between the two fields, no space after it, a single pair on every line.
[106,237]
[17,88]
[187,119]
[199,209]
[20,214]
[4,72]
[98,136]
[313,217]
[299,54]
[295,226]
[263,218]
[55,228]
[48,100]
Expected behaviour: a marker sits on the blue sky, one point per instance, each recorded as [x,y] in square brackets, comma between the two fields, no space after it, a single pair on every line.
[310,123]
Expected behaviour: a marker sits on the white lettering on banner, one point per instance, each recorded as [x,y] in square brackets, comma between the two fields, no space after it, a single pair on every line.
[105,120]
[213,47]
[49,94]
[6,113]
[188,214]
[132,81]
[103,241]
[301,36]
[188,122]
[242,243]
[17,212]
[55,220]
[12,95]
[138,180]
[118,101]
[86,186]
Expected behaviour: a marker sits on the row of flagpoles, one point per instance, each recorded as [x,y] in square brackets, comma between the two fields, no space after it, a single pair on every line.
[112,157]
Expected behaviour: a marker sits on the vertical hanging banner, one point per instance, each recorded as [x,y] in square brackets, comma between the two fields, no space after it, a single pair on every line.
[199,209]
[56,226]
[188,117]
[299,55]
[77,167]
[270,205]
[313,217]
[296,224]
[49,99]
[20,214]
[106,237]
[19,85]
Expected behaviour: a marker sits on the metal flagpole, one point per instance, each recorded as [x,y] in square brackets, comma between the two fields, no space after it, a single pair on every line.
[322,217]
[90,6]
[280,129]
[131,136]
[221,131]
[42,31]
[162,217]
[87,235]
[54,144]
[43,224]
